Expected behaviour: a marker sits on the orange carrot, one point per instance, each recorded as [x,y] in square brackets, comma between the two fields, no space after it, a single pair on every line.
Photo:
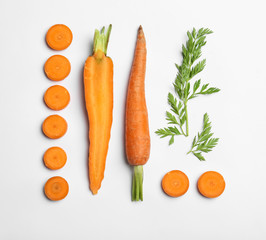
[56,188]
[211,184]
[175,183]
[59,37]
[55,158]
[56,97]
[137,127]
[98,87]
[54,126]
[57,67]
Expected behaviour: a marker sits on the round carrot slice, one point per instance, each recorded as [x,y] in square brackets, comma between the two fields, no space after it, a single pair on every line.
[59,37]
[175,183]
[54,126]
[57,67]
[56,97]
[55,158]
[56,188]
[211,184]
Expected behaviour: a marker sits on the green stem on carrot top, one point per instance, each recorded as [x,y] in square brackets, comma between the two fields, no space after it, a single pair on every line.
[101,39]
[137,192]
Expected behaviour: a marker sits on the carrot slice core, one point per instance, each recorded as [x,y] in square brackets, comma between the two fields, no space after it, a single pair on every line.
[211,184]
[56,188]
[175,183]
[55,158]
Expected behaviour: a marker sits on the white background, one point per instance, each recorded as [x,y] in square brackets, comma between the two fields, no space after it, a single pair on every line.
[235,56]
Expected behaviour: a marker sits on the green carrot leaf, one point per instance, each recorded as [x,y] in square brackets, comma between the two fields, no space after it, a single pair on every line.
[199,156]
[171,141]
[184,88]
[203,143]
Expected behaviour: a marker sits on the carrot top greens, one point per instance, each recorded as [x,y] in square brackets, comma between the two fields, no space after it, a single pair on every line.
[101,39]
[177,117]
[203,142]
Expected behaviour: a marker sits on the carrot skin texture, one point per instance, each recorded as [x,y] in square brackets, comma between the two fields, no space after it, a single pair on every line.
[98,87]
[137,136]
[137,125]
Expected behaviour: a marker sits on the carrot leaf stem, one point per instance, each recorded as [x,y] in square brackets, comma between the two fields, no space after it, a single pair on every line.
[101,39]
[137,191]
[186,115]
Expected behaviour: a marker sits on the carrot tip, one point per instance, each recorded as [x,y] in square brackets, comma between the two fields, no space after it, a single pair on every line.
[141,34]
[94,189]
[140,30]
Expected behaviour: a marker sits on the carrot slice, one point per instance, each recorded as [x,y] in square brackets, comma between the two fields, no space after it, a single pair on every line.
[211,184]
[56,97]
[175,183]
[56,188]
[57,67]
[55,158]
[59,37]
[54,126]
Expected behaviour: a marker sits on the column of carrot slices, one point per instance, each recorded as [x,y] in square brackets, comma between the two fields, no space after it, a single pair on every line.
[56,97]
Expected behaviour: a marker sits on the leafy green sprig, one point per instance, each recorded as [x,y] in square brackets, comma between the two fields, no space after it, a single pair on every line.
[203,142]
[178,115]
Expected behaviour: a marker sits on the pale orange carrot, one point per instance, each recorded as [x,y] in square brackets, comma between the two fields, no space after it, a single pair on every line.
[54,126]
[175,183]
[54,158]
[56,97]
[137,135]
[56,188]
[211,184]
[59,37]
[98,87]
[57,67]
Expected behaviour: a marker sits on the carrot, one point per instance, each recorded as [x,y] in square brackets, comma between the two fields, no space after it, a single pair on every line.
[57,67]
[56,188]
[137,127]
[59,37]
[54,126]
[56,97]
[55,158]
[98,88]
[211,184]
[175,183]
